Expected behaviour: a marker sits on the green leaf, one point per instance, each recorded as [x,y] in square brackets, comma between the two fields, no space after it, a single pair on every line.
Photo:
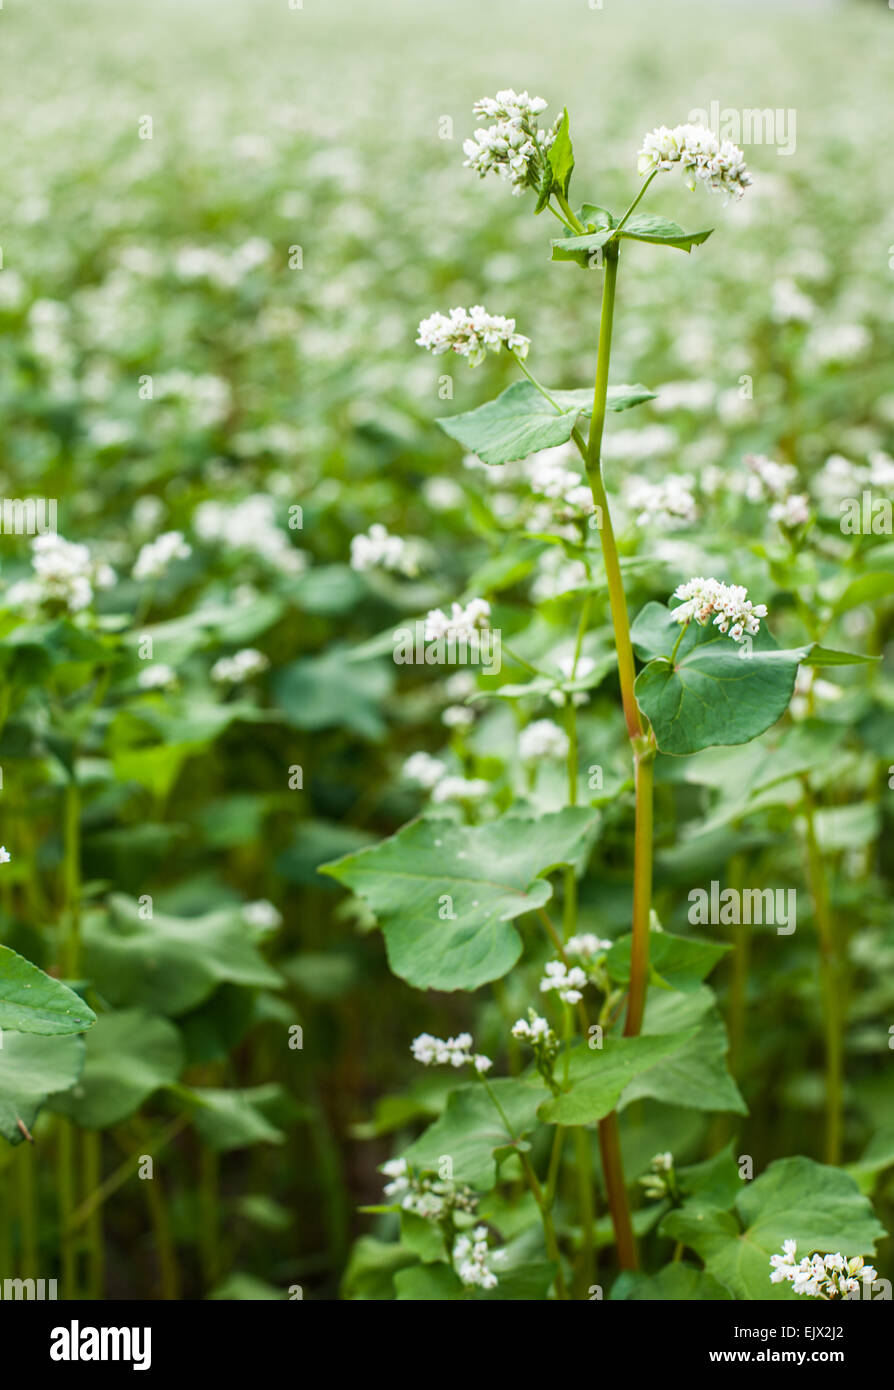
[228,1120]
[598,1076]
[583,250]
[677,1282]
[795,1199]
[169,965]
[446,894]
[594,216]
[326,692]
[521,421]
[643,226]
[677,962]
[421,1236]
[429,1283]
[33,1002]
[32,1068]
[561,155]
[827,656]
[471,1130]
[717,691]
[129,1055]
[371,1267]
[695,1075]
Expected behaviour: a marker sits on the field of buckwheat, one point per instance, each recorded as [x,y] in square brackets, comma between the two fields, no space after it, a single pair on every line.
[446,612]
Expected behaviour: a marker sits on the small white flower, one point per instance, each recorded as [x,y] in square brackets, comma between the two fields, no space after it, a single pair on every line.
[667,504]
[542,739]
[458,717]
[471,334]
[380,550]
[460,789]
[454,1052]
[229,670]
[728,604]
[423,769]
[262,915]
[155,556]
[703,158]
[462,625]
[158,676]
[5,856]
[568,982]
[512,146]
[586,946]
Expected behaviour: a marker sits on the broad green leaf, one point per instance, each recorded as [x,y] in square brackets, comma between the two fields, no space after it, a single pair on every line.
[33,1002]
[693,1075]
[679,962]
[643,226]
[446,894]
[717,691]
[130,1054]
[233,1119]
[678,1283]
[520,421]
[561,155]
[371,1267]
[877,1158]
[592,215]
[32,1068]
[169,965]
[471,1130]
[599,1075]
[714,1184]
[583,250]
[328,692]
[423,1283]
[821,1208]
[421,1236]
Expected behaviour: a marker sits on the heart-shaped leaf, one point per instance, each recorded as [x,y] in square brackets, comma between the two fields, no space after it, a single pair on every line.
[471,1129]
[32,1002]
[520,421]
[716,691]
[597,1076]
[129,1055]
[446,894]
[821,1208]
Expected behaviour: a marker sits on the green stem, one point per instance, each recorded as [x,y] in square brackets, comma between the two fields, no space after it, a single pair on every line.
[832,983]
[587,1211]
[27,1203]
[92,1156]
[540,1197]
[642,891]
[209,1202]
[570,217]
[640,195]
[616,1190]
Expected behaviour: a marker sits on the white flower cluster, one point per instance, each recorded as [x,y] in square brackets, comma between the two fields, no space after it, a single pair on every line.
[64,572]
[822,1276]
[5,856]
[262,915]
[461,625]
[454,1052]
[460,789]
[660,1182]
[772,480]
[157,676]
[533,1029]
[155,556]
[572,671]
[549,477]
[729,604]
[586,946]
[470,1257]
[542,739]
[668,504]
[423,769]
[718,163]
[568,981]
[424,1193]
[470,334]
[379,549]
[250,525]
[512,146]
[229,670]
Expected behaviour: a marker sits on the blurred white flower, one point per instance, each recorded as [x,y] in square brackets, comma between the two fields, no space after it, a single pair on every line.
[462,624]
[240,667]
[158,676]
[458,717]
[155,556]
[460,789]
[667,504]
[423,769]
[64,572]
[5,856]
[542,739]
[262,915]
[380,550]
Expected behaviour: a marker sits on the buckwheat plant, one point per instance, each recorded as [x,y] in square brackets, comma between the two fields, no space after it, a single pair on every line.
[588,1024]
